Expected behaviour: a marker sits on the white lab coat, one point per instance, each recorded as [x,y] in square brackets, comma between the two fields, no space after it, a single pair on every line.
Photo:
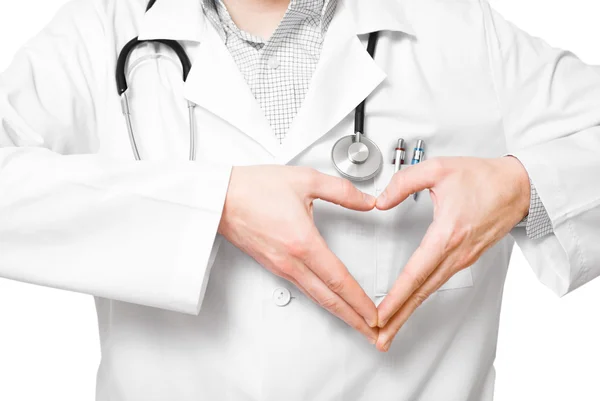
[183,314]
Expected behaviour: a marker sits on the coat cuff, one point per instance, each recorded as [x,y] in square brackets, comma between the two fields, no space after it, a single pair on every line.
[537,223]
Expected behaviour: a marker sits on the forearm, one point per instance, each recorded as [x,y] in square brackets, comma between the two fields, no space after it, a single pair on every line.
[139,232]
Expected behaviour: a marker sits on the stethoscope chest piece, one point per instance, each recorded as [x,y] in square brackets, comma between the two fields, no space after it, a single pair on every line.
[356,157]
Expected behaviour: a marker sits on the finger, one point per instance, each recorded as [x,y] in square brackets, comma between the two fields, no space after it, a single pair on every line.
[341,192]
[408,181]
[426,258]
[331,301]
[299,286]
[431,285]
[356,323]
[338,279]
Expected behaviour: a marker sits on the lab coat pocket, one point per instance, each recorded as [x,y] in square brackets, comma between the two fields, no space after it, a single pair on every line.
[398,233]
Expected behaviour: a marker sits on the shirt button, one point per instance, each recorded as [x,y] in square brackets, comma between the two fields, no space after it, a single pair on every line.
[273,62]
[282,296]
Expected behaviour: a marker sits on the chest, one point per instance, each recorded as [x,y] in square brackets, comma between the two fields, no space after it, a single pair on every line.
[448,102]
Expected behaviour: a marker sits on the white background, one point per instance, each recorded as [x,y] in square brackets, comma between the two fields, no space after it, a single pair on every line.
[549,348]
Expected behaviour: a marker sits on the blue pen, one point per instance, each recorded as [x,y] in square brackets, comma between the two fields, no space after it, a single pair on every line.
[418,156]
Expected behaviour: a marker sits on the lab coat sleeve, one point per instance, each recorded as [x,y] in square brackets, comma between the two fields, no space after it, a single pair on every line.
[550,103]
[139,232]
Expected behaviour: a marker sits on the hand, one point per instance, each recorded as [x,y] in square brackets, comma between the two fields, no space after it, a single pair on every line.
[476,203]
[268,214]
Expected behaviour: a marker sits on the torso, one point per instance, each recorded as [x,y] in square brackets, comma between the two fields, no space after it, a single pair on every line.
[242,346]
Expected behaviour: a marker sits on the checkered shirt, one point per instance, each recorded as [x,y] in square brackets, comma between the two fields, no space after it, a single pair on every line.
[279,70]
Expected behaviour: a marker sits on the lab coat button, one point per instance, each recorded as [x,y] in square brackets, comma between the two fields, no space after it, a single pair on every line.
[282,296]
[273,62]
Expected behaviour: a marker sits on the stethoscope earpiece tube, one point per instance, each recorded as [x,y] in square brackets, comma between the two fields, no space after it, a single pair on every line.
[122,87]
[121,78]
[150,4]
[186,64]
[121,62]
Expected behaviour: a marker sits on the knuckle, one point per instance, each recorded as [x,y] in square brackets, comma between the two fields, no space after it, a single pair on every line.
[459,233]
[417,277]
[315,177]
[437,167]
[309,171]
[299,245]
[346,188]
[435,240]
[331,304]
[397,181]
[336,284]
[453,242]
[466,259]
[418,298]
[309,177]
[286,268]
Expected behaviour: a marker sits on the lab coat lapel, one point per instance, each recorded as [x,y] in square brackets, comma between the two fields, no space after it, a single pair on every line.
[216,84]
[344,77]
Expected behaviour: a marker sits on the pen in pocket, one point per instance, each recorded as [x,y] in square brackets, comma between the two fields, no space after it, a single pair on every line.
[418,156]
[399,155]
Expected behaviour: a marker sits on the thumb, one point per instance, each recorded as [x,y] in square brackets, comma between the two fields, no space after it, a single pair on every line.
[341,192]
[408,181]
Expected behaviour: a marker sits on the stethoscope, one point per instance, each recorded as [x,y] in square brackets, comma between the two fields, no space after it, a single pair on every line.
[355,157]
[122,87]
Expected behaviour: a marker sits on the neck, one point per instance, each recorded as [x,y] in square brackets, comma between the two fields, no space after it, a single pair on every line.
[257,17]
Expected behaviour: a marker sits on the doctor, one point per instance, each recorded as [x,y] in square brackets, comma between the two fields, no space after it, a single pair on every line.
[256,272]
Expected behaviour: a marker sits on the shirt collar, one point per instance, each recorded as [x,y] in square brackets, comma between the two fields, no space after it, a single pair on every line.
[322,10]
[184,19]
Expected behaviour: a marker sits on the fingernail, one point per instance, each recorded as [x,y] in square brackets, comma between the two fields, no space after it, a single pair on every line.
[383,195]
[373,323]
[373,340]
[368,198]
[382,324]
[383,339]
[386,346]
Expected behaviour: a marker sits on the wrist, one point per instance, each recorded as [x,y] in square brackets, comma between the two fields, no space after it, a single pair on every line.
[522,184]
[226,205]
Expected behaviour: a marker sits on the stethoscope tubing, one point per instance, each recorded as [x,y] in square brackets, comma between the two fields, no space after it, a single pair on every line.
[122,87]
[359,114]
[345,149]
